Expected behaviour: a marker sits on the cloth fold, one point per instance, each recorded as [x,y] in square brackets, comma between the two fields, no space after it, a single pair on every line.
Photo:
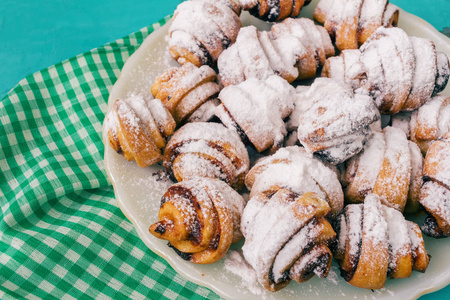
[62,235]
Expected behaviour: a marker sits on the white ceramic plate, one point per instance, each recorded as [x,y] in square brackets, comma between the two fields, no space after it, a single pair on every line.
[138,192]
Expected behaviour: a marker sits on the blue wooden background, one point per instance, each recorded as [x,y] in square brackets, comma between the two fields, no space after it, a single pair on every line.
[36,34]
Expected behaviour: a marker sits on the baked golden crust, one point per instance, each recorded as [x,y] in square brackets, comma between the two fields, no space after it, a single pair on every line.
[315,40]
[202,29]
[399,72]
[207,150]
[293,49]
[200,218]
[426,124]
[294,169]
[434,195]
[287,237]
[257,109]
[385,168]
[376,242]
[337,123]
[185,89]
[351,22]
[137,128]
[429,122]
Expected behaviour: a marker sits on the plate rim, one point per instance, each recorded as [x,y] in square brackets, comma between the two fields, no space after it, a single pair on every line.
[222,292]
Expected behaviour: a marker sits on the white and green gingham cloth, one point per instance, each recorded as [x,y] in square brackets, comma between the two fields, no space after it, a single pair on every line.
[62,235]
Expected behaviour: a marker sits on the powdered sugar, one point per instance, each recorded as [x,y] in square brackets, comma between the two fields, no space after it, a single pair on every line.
[284,219]
[337,123]
[294,169]
[252,55]
[371,13]
[374,223]
[354,218]
[398,156]
[402,121]
[424,73]
[201,30]
[291,250]
[398,236]
[259,107]
[236,264]
[435,198]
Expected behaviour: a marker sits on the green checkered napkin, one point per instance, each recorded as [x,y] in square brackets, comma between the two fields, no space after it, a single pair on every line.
[62,235]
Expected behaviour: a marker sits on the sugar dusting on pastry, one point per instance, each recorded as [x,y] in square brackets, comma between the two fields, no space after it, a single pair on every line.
[236,264]
[332,121]
[201,30]
[295,224]
[386,244]
[259,108]
[220,151]
[296,170]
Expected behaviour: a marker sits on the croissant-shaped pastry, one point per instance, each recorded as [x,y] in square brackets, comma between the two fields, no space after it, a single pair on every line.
[256,109]
[351,22]
[401,72]
[271,11]
[344,68]
[430,122]
[202,29]
[389,166]
[287,237]
[186,89]
[137,128]
[435,192]
[315,40]
[426,124]
[336,125]
[207,150]
[200,218]
[294,169]
[293,50]
[375,242]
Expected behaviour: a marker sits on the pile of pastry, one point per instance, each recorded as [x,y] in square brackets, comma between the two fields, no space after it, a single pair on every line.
[325,177]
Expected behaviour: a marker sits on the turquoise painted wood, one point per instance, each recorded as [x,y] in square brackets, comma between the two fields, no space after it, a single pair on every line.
[37,34]
[435,12]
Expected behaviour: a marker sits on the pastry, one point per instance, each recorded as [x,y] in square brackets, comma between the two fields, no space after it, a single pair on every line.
[351,22]
[207,150]
[137,128]
[202,29]
[200,218]
[399,72]
[315,40]
[344,68]
[389,166]
[375,242]
[271,11]
[430,122]
[435,192]
[258,54]
[426,124]
[287,237]
[293,49]
[337,124]
[294,169]
[256,109]
[186,89]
